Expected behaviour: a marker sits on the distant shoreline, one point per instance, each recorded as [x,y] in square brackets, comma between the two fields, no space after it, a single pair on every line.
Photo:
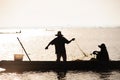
[49,27]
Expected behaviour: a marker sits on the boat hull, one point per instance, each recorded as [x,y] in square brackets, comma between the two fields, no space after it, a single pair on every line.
[19,66]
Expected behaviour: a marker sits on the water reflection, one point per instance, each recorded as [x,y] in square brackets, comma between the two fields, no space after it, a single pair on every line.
[104,75]
[61,75]
[89,75]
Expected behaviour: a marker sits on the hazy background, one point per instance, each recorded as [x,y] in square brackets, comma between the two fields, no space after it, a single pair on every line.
[65,13]
[47,14]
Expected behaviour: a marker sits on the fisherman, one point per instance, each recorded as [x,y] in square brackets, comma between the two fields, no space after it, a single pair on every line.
[59,43]
[102,55]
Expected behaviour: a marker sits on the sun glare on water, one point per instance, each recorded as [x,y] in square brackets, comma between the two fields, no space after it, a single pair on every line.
[31,39]
[35,32]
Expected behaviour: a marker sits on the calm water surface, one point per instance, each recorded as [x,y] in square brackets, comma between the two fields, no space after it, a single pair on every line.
[35,40]
[70,75]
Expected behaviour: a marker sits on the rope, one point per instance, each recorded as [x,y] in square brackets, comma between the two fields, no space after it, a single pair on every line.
[81,49]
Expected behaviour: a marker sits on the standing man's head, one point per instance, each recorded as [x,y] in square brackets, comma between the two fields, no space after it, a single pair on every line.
[59,34]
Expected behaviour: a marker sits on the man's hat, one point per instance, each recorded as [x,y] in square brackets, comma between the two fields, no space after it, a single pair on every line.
[59,34]
[102,45]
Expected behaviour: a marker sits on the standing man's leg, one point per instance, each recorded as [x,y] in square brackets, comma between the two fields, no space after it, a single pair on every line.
[58,57]
[64,56]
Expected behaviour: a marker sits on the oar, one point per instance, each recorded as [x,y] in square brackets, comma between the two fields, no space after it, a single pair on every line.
[81,50]
[23,49]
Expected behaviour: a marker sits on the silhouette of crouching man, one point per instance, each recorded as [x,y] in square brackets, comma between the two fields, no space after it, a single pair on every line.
[59,43]
[102,55]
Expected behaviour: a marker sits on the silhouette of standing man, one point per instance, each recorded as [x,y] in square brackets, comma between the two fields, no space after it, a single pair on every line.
[59,43]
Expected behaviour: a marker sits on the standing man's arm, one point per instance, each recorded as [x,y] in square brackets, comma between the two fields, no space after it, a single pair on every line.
[71,40]
[51,43]
[47,46]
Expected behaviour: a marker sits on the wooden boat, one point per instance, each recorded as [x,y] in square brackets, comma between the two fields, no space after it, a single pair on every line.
[19,66]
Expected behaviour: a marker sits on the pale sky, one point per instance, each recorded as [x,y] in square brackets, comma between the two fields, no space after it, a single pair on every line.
[28,13]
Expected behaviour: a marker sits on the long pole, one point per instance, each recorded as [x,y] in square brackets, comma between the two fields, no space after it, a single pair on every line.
[81,49]
[24,49]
